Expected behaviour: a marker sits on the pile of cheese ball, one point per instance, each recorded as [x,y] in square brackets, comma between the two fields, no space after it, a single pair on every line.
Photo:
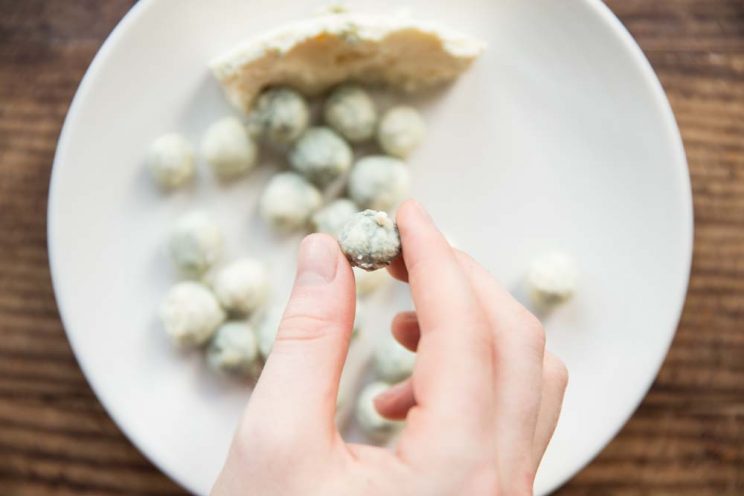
[224,308]
[324,189]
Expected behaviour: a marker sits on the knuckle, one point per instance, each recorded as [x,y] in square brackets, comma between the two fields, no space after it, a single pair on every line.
[303,328]
[557,371]
[534,330]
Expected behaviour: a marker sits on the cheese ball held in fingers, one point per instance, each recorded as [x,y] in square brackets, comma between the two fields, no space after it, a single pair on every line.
[370,240]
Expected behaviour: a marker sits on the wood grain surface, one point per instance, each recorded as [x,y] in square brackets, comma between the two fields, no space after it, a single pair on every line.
[687,438]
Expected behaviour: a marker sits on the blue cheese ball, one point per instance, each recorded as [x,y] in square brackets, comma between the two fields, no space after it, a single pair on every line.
[242,287]
[288,202]
[321,155]
[332,218]
[195,243]
[351,112]
[379,182]
[228,148]
[170,160]
[370,240]
[374,425]
[552,279]
[190,314]
[401,130]
[393,362]
[233,349]
[280,115]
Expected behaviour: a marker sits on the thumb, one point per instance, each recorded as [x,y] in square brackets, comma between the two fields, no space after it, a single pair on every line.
[299,383]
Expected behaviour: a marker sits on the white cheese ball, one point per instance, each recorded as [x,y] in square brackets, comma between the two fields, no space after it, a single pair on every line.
[190,314]
[552,279]
[281,115]
[370,240]
[267,330]
[228,148]
[369,282]
[195,243]
[242,287]
[332,218]
[321,155]
[351,112]
[393,362]
[171,160]
[401,130]
[233,349]
[288,202]
[379,182]
[374,425]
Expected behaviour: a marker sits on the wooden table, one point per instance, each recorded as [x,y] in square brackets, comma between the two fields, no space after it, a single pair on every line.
[686,438]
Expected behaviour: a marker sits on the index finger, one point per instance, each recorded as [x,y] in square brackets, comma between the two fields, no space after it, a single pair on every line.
[454,361]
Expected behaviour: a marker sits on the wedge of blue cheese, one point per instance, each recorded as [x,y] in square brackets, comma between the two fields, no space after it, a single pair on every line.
[315,54]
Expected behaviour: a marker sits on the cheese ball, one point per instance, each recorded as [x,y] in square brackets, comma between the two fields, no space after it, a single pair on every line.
[233,349]
[288,202]
[374,425]
[190,314]
[242,287]
[370,240]
[401,130]
[350,111]
[393,362]
[369,282]
[379,182]
[228,148]
[332,218]
[552,279]
[321,155]
[267,330]
[170,160]
[281,115]
[195,243]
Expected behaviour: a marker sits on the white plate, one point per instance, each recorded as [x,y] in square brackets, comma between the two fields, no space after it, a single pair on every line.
[559,137]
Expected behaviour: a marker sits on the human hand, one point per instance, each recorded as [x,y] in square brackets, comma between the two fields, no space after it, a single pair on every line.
[481,405]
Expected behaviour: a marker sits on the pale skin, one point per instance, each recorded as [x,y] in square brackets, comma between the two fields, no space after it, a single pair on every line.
[480,407]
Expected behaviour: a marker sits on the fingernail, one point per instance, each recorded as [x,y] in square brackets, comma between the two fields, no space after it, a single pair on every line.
[318,260]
